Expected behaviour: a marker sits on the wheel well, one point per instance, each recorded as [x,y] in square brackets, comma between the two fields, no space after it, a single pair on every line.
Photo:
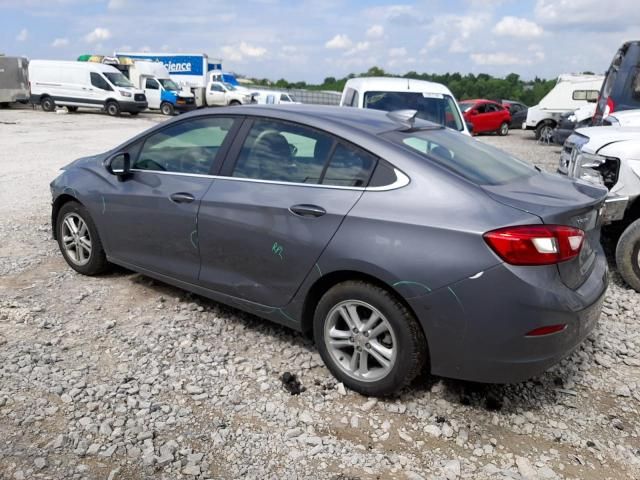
[234,102]
[55,209]
[633,213]
[329,280]
[546,121]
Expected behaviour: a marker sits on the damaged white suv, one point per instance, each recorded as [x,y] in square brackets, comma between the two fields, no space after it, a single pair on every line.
[610,156]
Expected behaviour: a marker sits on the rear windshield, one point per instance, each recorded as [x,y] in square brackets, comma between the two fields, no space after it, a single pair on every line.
[435,107]
[477,162]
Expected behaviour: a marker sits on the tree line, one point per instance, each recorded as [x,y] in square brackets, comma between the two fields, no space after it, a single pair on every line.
[511,87]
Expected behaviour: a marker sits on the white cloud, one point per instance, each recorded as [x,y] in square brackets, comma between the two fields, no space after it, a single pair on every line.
[359,48]
[238,53]
[60,42]
[397,52]
[375,31]
[504,58]
[97,35]
[23,35]
[116,4]
[463,27]
[588,14]
[517,27]
[340,41]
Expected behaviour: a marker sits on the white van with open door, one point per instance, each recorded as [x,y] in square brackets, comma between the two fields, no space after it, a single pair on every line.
[83,84]
[433,101]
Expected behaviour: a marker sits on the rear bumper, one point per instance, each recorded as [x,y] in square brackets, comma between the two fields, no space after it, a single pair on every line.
[134,107]
[476,328]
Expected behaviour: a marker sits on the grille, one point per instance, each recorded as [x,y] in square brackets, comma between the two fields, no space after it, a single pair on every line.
[139,97]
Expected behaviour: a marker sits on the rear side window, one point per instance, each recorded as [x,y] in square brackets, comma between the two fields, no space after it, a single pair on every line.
[98,81]
[588,95]
[477,162]
[285,152]
[349,167]
[186,147]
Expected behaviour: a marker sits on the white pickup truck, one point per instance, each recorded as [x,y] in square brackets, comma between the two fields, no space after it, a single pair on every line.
[610,156]
[223,94]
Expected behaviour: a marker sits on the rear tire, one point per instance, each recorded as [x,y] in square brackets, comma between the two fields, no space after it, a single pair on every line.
[395,338]
[48,105]
[544,132]
[628,255]
[504,129]
[82,249]
[113,109]
[166,108]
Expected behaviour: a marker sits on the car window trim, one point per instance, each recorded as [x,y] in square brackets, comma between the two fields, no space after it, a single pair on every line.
[216,165]
[402,180]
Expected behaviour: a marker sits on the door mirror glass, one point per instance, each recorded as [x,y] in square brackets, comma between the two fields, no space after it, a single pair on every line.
[118,164]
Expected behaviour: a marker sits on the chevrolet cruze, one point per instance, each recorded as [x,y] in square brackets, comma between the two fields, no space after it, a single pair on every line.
[397,244]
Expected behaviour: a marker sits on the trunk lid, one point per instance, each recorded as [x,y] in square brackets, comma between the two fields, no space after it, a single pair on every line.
[559,200]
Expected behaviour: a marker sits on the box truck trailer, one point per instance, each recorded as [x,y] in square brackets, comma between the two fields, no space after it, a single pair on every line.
[14,80]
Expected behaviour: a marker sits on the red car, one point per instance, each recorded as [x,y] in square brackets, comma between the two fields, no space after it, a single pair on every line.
[486,116]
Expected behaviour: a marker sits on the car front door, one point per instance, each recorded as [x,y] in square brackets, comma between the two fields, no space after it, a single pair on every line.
[151,216]
[153,93]
[480,119]
[99,89]
[216,95]
[286,188]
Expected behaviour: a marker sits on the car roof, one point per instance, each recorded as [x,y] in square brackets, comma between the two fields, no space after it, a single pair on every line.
[396,84]
[478,100]
[330,118]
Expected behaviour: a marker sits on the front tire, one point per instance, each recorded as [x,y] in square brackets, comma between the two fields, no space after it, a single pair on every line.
[72,109]
[79,241]
[48,105]
[368,339]
[504,129]
[166,108]
[628,255]
[113,109]
[234,103]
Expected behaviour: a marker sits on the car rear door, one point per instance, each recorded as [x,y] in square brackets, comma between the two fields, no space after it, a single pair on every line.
[150,218]
[282,195]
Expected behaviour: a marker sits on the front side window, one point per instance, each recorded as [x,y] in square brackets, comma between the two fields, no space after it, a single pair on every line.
[169,84]
[151,84]
[118,79]
[476,161]
[284,98]
[98,81]
[286,152]
[635,84]
[215,87]
[434,107]
[185,147]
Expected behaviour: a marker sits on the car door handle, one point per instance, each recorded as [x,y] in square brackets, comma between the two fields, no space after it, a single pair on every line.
[307,210]
[182,197]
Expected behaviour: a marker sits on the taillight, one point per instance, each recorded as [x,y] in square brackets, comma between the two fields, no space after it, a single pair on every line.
[611,106]
[536,244]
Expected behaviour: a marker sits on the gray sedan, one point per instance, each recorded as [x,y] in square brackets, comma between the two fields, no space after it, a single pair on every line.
[397,244]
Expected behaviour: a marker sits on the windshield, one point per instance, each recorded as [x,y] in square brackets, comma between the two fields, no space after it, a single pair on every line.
[118,79]
[434,107]
[466,106]
[477,162]
[169,84]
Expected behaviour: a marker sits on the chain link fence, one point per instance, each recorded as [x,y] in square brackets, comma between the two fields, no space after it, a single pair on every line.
[313,97]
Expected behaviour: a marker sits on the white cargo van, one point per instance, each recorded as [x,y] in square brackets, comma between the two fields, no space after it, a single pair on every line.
[433,101]
[570,93]
[83,84]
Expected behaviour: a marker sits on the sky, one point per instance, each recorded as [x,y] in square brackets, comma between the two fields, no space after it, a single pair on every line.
[311,40]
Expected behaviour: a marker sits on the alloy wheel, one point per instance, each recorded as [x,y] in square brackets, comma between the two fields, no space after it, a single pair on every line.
[76,239]
[360,340]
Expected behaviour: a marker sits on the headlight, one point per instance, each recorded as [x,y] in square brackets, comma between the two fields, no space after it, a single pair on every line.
[589,167]
[572,118]
[590,160]
[125,94]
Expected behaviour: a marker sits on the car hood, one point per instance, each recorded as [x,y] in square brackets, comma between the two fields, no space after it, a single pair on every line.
[602,136]
[86,162]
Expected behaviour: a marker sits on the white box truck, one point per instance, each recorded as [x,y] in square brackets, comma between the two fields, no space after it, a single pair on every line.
[14,80]
[161,91]
[570,93]
[196,72]
[83,84]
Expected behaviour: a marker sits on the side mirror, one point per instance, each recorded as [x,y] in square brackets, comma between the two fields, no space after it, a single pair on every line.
[118,164]
[473,112]
[469,127]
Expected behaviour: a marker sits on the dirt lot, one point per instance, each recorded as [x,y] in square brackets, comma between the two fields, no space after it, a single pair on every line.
[121,377]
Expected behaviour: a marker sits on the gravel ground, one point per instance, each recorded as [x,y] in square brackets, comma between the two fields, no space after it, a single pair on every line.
[121,377]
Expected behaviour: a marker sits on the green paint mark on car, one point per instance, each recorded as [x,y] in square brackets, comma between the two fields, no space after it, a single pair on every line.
[277,249]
